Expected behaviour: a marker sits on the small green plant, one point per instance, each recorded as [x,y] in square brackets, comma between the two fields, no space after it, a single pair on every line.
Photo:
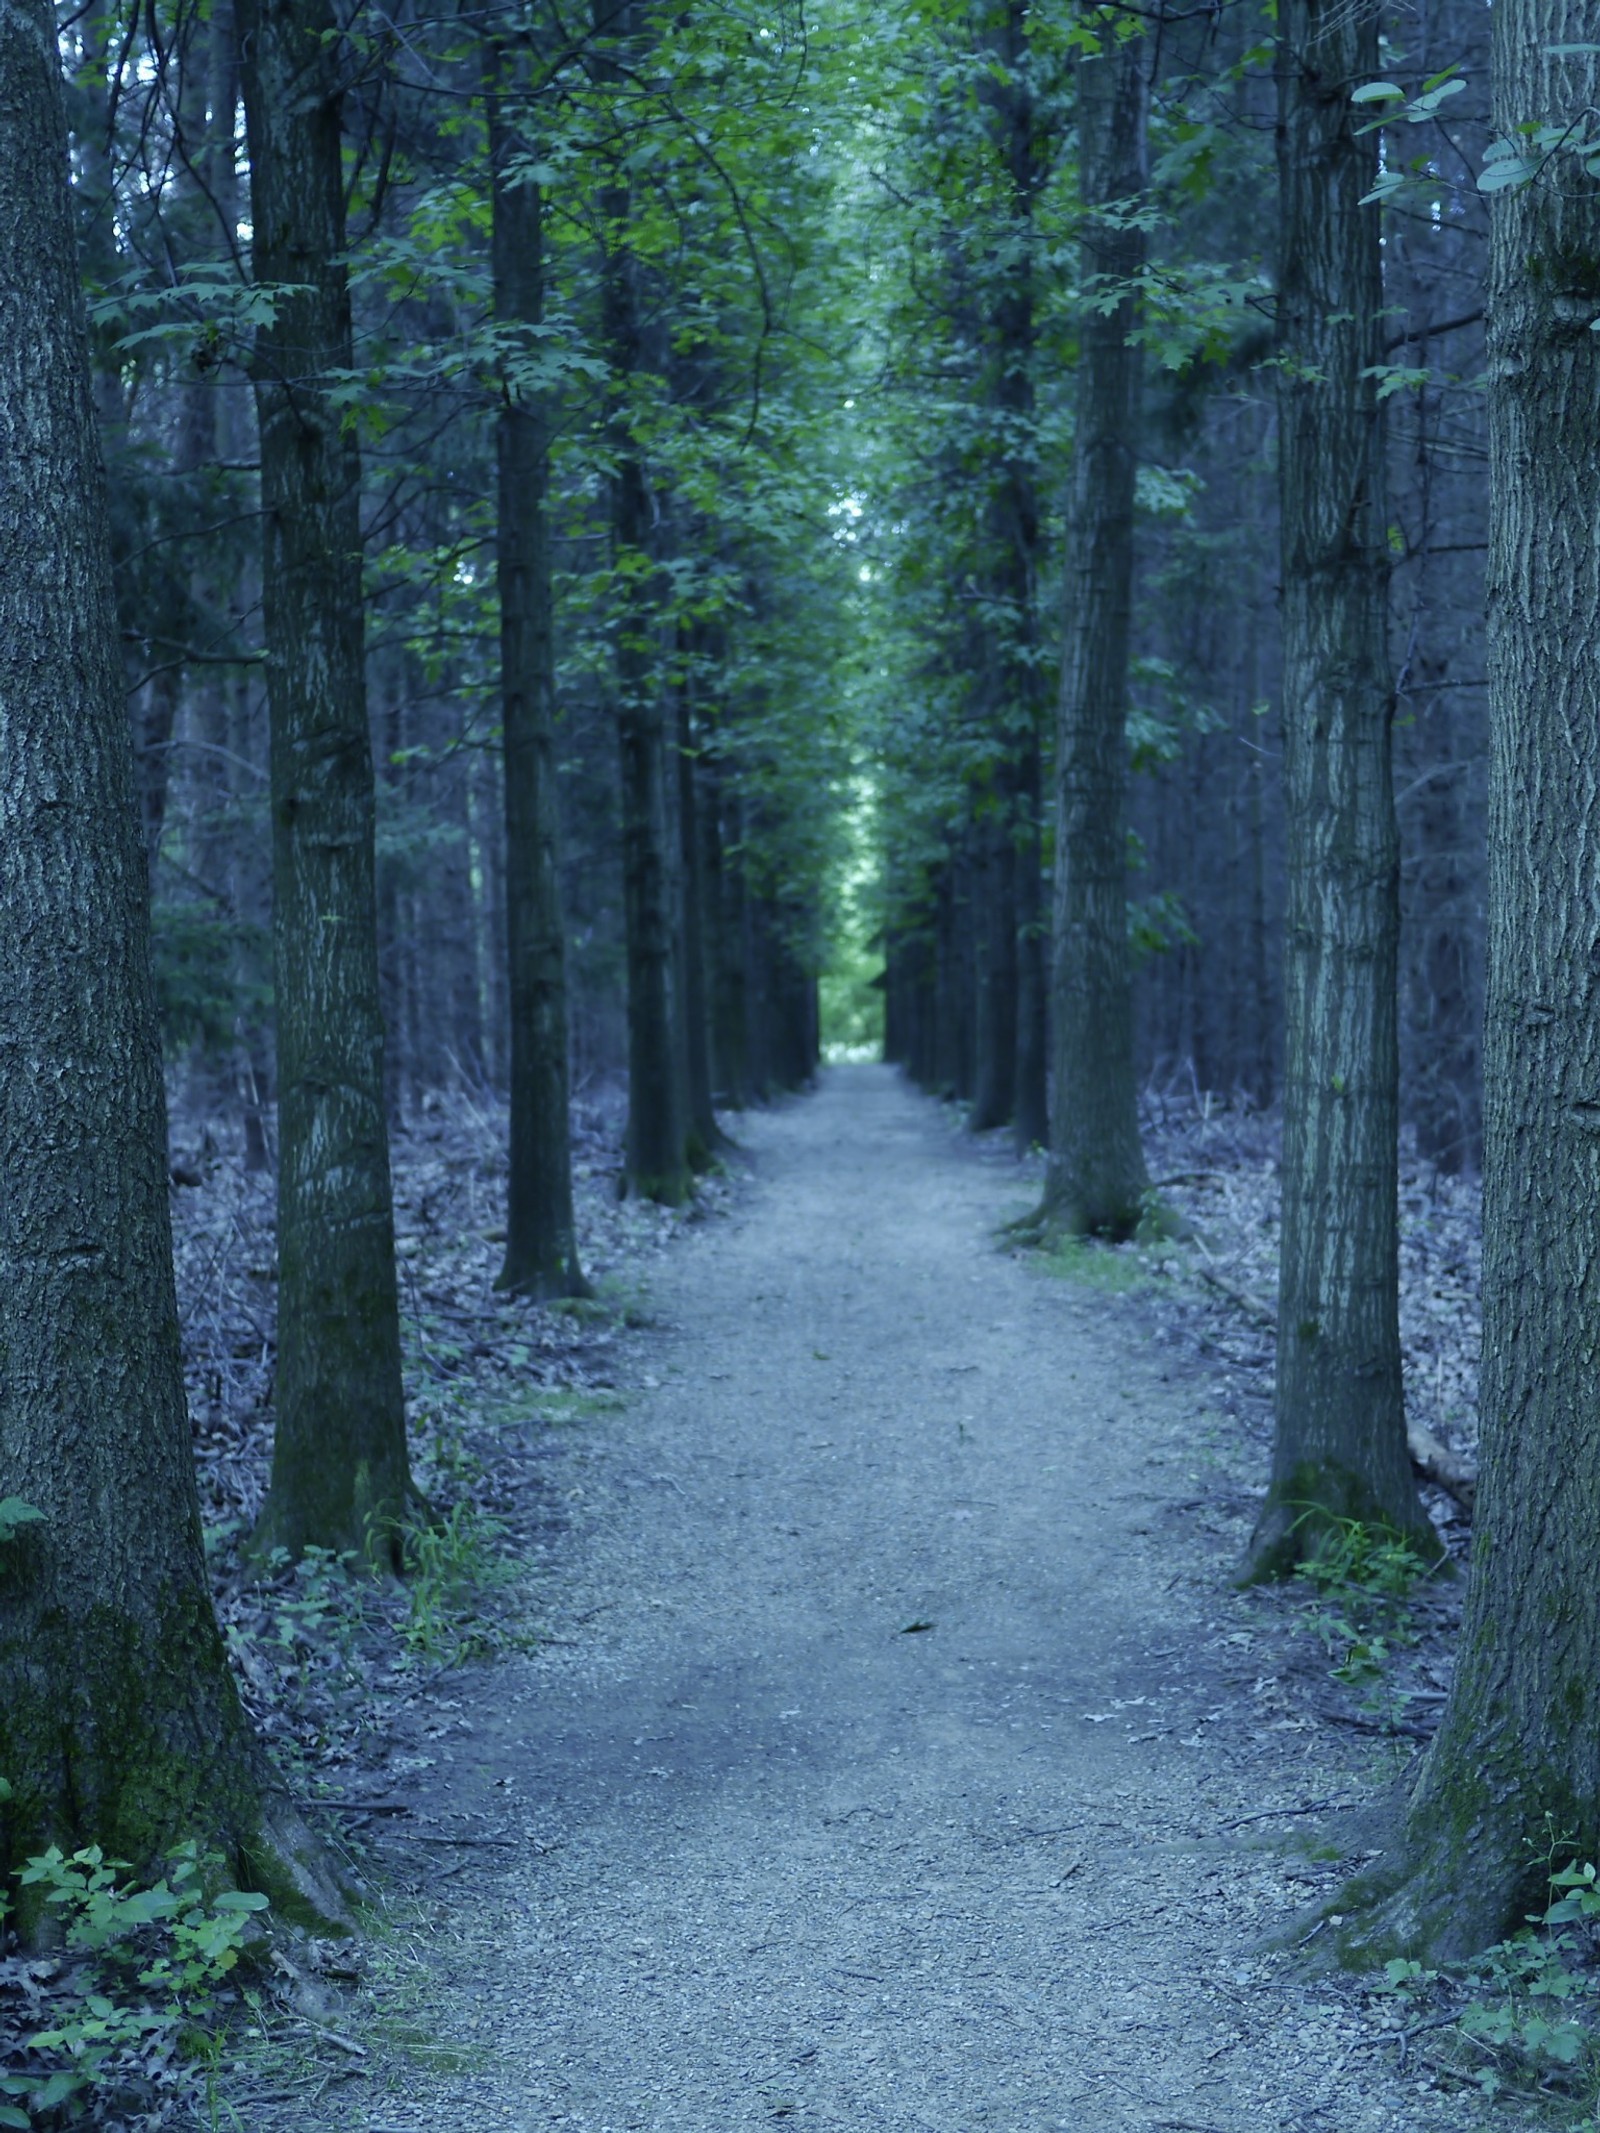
[452,1565]
[15,1514]
[149,1963]
[1519,2007]
[1364,1578]
[313,1598]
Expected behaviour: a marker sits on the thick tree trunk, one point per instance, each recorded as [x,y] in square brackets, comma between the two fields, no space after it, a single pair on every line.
[541,1241]
[1339,1450]
[119,1723]
[1519,1740]
[656,1155]
[339,1472]
[1096,1180]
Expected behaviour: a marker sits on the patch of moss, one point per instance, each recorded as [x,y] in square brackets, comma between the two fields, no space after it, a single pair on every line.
[567,1404]
[1093,1265]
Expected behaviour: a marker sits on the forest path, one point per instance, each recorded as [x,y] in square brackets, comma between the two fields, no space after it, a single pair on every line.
[777,1857]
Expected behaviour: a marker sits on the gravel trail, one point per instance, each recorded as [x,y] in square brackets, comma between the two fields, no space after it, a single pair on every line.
[894,1766]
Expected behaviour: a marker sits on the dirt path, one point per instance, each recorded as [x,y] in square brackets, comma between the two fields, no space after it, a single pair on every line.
[885,1774]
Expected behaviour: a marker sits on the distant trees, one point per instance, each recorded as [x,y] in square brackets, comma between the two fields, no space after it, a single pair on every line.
[119,1722]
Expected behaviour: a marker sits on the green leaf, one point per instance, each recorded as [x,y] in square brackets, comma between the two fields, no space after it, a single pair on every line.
[239,1900]
[1375,92]
[1508,171]
[14,1513]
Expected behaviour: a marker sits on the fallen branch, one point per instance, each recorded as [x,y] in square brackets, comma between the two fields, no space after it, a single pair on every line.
[1438,1464]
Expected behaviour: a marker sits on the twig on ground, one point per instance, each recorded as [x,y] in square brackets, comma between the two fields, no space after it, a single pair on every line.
[1271,1814]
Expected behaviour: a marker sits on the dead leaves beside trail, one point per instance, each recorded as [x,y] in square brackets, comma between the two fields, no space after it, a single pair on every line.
[1218,1166]
[340,1670]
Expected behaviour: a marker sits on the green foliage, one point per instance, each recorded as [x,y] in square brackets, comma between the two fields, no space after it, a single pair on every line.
[452,1564]
[1523,2013]
[149,1964]
[14,1515]
[1157,924]
[312,1600]
[196,956]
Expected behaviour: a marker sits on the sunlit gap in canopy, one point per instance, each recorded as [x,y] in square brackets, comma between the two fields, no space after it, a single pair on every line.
[851,988]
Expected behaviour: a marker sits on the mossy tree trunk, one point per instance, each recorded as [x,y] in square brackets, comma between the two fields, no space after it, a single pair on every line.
[1339,1450]
[339,1472]
[656,1161]
[1520,1735]
[541,1240]
[119,1723]
[1095,1179]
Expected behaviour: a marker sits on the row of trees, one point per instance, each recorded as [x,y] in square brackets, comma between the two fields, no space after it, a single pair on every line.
[1368,269]
[448,396]
[773,360]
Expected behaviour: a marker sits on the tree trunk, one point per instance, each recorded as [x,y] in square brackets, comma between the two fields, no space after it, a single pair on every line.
[1031,1118]
[339,1472]
[1014,544]
[995,971]
[541,1241]
[1519,1741]
[1096,1182]
[725,885]
[706,1136]
[656,1156]
[1339,1449]
[119,1723]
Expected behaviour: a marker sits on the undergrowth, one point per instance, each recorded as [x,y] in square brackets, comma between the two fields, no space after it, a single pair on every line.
[1519,2022]
[1107,1267]
[122,2019]
[1365,1579]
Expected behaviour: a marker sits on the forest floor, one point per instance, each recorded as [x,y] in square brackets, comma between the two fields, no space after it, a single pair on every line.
[877,1739]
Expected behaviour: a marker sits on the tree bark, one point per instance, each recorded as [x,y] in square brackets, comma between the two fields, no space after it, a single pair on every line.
[1014,542]
[995,960]
[1339,1449]
[541,1241]
[1095,1180]
[705,1135]
[119,1723]
[1518,1741]
[725,878]
[656,1154]
[339,1473]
